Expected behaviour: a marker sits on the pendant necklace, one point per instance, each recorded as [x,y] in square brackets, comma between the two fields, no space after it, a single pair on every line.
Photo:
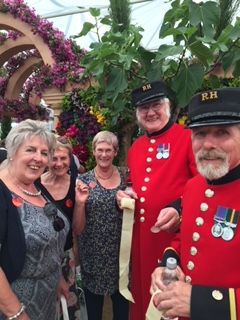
[95,170]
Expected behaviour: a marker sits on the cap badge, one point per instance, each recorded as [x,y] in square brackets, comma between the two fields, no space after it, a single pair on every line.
[146,87]
[209,95]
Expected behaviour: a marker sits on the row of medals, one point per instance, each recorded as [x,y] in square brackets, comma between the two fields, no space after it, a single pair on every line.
[224,230]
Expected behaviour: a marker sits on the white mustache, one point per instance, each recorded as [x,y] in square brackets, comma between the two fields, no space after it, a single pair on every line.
[210,155]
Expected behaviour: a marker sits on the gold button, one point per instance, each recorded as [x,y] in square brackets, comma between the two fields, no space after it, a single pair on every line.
[152,140]
[209,193]
[196,236]
[150,149]
[193,251]
[142,219]
[146,179]
[203,206]
[217,295]
[148,169]
[149,159]
[144,188]
[190,265]
[142,211]
[199,221]
[142,199]
[188,279]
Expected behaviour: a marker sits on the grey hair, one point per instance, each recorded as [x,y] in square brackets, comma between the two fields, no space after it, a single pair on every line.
[105,136]
[26,129]
[168,112]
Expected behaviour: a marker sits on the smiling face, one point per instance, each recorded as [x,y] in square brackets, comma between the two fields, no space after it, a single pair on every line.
[30,159]
[60,161]
[153,116]
[216,149]
[104,154]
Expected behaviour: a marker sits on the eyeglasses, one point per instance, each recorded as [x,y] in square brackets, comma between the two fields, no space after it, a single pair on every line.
[146,107]
[62,140]
[50,209]
[107,151]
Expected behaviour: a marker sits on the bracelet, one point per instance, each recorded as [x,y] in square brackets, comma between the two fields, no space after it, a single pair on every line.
[18,313]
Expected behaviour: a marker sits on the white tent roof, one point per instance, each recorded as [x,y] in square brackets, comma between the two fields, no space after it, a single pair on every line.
[145,13]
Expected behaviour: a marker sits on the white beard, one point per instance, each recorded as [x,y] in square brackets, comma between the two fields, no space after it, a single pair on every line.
[210,171]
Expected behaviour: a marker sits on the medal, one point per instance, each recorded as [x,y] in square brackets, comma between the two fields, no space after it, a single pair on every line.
[217,230]
[163,151]
[228,233]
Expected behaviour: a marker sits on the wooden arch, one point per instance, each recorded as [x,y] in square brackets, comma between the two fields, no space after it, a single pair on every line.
[27,41]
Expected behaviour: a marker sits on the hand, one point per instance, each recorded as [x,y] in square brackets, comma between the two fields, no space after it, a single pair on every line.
[168,220]
[121,194]
[156,279]
[81,192]
[63,288]
[175,299]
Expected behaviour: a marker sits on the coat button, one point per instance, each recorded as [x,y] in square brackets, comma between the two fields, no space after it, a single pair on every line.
[142,211]
[209,193]
[142,219]
[196,236]
[144,188]
[203,206]
[146,179]
[150,149]
[149,159]
[188,279]
[152,141]
[199,221]
[193,251]
[142,199]
[190,265]
[148,169]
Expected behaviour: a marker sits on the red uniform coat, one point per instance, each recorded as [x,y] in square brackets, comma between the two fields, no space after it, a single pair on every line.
[210,263]
[157,182]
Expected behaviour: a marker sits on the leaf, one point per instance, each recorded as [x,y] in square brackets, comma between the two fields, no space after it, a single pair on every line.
[187,82]
[214,81]
[87,26]
[95,12]
[201,52]
[116,80]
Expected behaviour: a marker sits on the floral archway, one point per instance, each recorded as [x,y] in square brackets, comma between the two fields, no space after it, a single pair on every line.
[35,59]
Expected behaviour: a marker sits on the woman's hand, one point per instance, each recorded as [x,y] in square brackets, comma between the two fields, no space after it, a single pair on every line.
[81,192]
[63,289]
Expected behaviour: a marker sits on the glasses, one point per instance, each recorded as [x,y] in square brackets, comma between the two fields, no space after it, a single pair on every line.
[107,151]
[146,107]
[62,140]
[50,209]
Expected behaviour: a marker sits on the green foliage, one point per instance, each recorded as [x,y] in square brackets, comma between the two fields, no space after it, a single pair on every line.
[118,62]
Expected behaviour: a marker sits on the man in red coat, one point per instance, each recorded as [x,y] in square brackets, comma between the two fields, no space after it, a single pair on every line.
[207,245]
[160,163]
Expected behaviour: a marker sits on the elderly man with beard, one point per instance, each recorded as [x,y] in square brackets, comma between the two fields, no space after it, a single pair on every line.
[207,245]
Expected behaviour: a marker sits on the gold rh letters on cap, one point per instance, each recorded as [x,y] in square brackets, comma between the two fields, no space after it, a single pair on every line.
[209,95]
[146,87]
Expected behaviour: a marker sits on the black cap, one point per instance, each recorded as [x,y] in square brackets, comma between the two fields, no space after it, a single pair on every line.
[214,107]
[150,91]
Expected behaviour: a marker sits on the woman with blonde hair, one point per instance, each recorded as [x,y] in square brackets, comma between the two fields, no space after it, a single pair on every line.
[99,239]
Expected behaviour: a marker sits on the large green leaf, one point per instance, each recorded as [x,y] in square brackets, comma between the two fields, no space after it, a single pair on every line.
[116,80]
[187,82]
[201,52]
[207,14]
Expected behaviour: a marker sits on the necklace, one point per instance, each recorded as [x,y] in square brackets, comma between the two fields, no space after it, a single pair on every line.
[95,170]
[28,193]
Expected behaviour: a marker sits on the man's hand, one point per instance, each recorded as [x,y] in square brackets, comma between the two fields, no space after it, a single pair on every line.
[168,220]
[174,300]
